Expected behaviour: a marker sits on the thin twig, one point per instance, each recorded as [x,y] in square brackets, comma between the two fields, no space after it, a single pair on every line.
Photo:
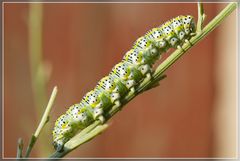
[201,17]
[78,139]
[43,122]
[45,117]
[20,148]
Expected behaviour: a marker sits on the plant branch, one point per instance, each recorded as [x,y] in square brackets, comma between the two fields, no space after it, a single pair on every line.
[42,123]
[86,136]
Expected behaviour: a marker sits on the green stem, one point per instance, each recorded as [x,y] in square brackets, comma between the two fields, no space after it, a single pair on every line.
[201,17]
[78,139]
[42,123]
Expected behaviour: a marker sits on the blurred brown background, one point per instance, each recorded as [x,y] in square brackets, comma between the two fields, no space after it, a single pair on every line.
[191,114]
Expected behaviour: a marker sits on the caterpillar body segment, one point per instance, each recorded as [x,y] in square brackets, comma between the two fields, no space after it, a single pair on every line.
[109,88]
[142,43]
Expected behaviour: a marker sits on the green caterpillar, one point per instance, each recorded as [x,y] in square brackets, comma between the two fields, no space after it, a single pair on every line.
[135,66]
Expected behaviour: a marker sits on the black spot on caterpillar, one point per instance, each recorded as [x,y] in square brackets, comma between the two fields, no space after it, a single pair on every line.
[134,67]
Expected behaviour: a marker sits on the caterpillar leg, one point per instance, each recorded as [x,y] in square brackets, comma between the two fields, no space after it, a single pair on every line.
[187,41]
[130,83]
[193,34]
[162,45]
[97,113]
[148,76]
[145,69]
[180,48]
[132,90]
[116,105]
[101,119]
[114,96]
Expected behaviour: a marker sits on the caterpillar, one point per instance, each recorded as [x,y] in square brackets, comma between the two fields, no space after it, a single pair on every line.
[135,66]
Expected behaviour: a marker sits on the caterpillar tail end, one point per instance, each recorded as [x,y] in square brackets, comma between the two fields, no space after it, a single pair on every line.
[58,146]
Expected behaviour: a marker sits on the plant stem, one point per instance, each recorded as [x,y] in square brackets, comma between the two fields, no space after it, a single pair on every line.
[19,148]
[43,122]
[201,17]
[78,139]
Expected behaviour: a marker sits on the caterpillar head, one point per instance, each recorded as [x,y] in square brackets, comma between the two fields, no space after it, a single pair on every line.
[189,25]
